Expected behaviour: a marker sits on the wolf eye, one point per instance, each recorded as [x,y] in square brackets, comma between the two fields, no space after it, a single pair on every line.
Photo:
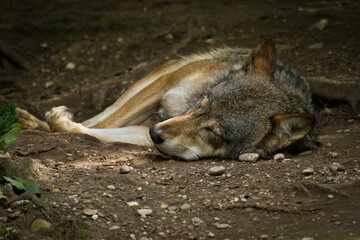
[213,131]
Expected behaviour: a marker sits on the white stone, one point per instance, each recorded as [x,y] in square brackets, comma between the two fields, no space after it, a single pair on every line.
[196,221]
[222,225]
[279,157]
[95,217]
[90,212]
[217,170]
[111,187]
[48,84]
[308,171]
[321,24]
[115,227]
[70,66]
[143,212]
[124,169]
[185,206]
[249,157]
[132,204]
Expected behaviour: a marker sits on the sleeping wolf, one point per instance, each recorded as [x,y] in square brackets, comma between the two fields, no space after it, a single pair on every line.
[219,104]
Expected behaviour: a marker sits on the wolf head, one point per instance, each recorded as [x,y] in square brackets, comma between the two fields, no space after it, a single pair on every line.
[250,111]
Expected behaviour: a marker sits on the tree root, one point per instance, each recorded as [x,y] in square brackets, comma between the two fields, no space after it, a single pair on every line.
[271,208]
[306,188]
[44,207]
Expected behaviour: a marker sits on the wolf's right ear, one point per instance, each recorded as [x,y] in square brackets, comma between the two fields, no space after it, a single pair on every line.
[262,60]
[289,128]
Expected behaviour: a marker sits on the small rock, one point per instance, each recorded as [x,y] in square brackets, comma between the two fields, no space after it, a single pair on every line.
[279,157]
[307,238]
[339,166]
[143,212]
[328,145]
[196,221]
[249,157]
[163,205]
[115,227]
[40,225]
[43,45]
[3,219]
[350,120]
[334,154]
[333,168]
[59,163]
[124,169]
[111,187]
[90,212]
[330,196]
[217,170]
[143,238]
[222,226]
[171,212]
[132,236]
[321,25]
[14,215]
[70,66]
[95,217]
[185,206]
[316,45]
[211,235]
[328,111]
[48,84]
[308,171]
[264,236]
[172,208]
[132,204]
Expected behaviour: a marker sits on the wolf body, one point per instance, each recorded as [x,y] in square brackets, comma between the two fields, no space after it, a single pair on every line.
[222,103]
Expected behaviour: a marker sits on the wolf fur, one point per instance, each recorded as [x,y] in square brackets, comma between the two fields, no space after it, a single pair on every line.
[219,104]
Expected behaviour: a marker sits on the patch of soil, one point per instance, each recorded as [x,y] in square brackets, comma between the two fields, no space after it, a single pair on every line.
[113,43]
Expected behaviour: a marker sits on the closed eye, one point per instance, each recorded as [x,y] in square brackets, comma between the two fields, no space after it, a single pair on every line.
[211,130]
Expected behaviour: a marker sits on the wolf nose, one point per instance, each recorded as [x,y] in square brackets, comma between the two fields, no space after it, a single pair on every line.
[155,136]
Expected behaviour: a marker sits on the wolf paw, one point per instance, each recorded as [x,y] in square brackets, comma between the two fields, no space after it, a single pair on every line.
[29,122]
[60,120]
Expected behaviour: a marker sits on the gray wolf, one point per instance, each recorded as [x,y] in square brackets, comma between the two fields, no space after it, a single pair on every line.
[222,103]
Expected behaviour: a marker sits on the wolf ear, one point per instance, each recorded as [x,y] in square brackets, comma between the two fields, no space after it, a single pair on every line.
[289,128]
[262,60]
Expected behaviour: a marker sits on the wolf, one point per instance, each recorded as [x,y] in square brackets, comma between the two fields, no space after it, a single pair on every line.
[222,103]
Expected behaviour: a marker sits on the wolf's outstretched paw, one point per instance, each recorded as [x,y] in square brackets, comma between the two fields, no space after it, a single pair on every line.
[60,120]
[29,122]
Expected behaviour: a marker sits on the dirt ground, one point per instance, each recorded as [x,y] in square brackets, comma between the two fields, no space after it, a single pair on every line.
[113,43]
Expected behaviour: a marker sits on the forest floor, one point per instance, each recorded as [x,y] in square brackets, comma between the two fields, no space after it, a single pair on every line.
[110,44]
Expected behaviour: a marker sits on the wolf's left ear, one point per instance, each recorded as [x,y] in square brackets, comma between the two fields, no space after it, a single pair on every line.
[289,128]
[262,60]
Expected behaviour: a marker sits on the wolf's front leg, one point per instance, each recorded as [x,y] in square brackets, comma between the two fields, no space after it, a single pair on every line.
[29,121]
[60,120]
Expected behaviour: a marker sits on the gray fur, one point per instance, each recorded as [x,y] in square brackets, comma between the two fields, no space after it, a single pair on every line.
[244,106]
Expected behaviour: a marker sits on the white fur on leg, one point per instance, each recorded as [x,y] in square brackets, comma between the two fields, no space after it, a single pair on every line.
[60,120]
[138,135]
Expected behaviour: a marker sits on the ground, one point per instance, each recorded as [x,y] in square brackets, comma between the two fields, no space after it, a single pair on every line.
[113,43]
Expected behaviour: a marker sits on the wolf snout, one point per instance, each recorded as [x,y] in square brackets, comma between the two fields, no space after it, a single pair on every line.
[155,135]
